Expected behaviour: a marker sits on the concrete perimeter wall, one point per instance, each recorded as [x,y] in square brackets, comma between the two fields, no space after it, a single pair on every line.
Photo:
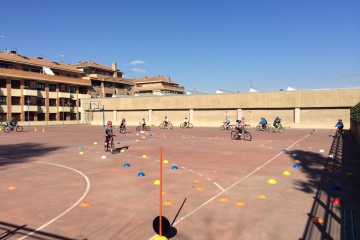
[298,109]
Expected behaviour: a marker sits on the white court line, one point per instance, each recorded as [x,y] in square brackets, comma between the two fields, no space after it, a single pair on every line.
[200,174]
[219,186]
[205,203]
[190,170]
[208,179]
[183,167]
[66,211]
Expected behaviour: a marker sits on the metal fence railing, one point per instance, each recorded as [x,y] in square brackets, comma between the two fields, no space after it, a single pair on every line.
[355,112]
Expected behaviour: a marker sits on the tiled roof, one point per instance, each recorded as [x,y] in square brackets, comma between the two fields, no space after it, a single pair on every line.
[36,62]
[95,65]
[153,79]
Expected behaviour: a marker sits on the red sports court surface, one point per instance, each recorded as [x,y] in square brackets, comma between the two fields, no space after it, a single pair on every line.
[53,180]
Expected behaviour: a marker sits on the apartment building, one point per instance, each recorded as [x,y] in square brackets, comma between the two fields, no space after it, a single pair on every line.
[105,81]
[156,85]
[35,89]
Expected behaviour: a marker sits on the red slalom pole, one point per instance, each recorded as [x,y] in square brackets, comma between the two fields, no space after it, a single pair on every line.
[160,219]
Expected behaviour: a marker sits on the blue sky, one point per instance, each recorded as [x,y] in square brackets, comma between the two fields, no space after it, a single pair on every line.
[200,44]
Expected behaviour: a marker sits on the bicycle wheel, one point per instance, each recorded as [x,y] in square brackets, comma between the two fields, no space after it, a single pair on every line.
[222,127]
[162,125]
[170,125]
[190,125]
[138,128]
[272,129]
[247,136]
[344,135]
[147,128]
[258,128]
[112,148]
[234,135]
[19,128]
[7,129]
[123,130]
[106,147]
[230,128]
[282,130]
[182,125]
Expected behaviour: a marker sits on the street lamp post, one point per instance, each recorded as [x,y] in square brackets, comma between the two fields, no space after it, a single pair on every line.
[250,83]
[28,103]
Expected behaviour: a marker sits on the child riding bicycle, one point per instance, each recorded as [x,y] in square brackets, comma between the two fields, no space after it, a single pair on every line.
[340,125]
[238,127]
[109,132]
[123,123]
[227,122]
[186,122]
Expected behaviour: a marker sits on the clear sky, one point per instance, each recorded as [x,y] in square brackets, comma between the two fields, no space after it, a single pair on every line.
[200,44]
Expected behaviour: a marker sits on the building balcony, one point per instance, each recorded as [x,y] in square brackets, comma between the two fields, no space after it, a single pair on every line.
[81,96]
[160,87]
[53,95]
[30,108]
[63,109]
[13,73]
[16,108]
[3,92]
[53,109]
[3,108]
[16,92]
[28,92]
[64,95]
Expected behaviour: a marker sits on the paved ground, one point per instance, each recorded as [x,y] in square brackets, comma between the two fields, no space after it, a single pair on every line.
[53,179]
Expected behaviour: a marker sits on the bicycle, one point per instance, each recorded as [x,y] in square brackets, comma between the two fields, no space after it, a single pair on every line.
[247,126]
[279,129]
[188,125]
[228,127]
[146,128]
[266,128]
[163,125]
[110,145]
[122,129]
[7,127]
[338,133]
[245,135]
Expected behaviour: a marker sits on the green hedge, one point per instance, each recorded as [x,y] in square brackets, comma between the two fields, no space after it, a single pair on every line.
[355,112]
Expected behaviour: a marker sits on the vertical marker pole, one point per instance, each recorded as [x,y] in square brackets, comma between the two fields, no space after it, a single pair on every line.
[160,219]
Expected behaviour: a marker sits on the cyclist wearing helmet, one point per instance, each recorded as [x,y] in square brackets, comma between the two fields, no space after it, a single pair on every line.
[242,121]
[340,125]
[263,123]
[143,123]
[12,123]
[123,123]
[166,121]
[109,132]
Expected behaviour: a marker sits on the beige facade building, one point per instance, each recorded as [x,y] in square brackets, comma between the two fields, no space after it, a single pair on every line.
[156,85]
[34,89]
[105,81]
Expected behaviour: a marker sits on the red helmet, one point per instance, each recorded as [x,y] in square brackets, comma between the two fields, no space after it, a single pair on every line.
[109,122]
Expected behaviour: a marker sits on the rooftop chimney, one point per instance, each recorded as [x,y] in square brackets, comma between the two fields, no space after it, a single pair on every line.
[113,67]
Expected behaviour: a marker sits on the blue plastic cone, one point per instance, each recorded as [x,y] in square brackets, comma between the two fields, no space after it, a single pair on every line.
[126,165]
[296,166]
[284,150]
[80,147]
[141,174]
[174,167]
[335,188]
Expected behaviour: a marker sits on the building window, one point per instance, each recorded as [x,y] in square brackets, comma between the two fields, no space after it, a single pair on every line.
[41,116]
[56,74]
[40,86]
[62,88]
[16,116]
[41,101]
[52,116]
[83,90]
[72,116]
[3,117]
[25,69]
[73,103]
[2,100]
[15,100]
[33,85]
[35,70]
[75,76]
[67,75]
[2,83]
[52,102]
[52,87]
[108,95]
[3,66]
[15,84]
[72,89]
[29,116]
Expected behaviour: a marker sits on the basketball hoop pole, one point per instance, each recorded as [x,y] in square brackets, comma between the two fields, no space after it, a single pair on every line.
[103,116]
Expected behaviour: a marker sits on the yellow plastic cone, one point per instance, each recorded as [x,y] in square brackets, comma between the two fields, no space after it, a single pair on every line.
[12,187]
[85,204]
[196,180]
[157,182]
[272,181]
[200,188]
[223,199]
[286,173]
[168,203]
[240,203]
[144,156]
[261,196]
[81,153]
[165,161]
